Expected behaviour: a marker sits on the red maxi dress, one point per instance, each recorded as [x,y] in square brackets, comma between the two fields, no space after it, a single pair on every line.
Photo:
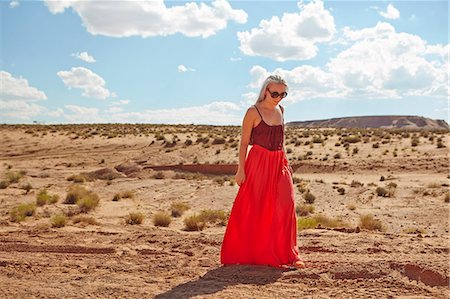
[262,228]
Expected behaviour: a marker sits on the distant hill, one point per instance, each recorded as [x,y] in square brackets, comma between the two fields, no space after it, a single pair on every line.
[376,121]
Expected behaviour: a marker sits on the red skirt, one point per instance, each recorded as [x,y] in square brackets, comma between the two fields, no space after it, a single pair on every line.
[262,228]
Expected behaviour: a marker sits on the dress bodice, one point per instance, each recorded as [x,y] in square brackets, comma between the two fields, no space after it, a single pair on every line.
[267,136]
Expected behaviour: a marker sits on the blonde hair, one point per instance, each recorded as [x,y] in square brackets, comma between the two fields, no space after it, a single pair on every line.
[271,79]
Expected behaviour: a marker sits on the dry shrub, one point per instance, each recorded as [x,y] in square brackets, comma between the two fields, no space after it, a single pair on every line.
[304,209]
[178,208]
[134,218]
[309,197]
[161,219]
[322,220]
[43,198]
[368,222]
[19,212]
[85,219]
[85,199]
[59,220]
[194,223]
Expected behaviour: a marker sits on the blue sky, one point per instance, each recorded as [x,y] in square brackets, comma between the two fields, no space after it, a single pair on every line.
[203,62]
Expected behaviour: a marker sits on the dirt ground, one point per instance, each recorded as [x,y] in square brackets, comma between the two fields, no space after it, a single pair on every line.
[409,258]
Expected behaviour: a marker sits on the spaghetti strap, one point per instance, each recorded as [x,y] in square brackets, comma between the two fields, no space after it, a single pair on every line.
[258,112]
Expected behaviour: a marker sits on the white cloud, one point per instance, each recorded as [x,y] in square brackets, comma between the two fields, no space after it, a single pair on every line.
[25,111]
[18,89]
[220,112]
[92,84]
[84,56]
[378,63]
[391,13]
[120,102]
[150,17]
[14,3]
[183,69]
[216,113]
[293,37]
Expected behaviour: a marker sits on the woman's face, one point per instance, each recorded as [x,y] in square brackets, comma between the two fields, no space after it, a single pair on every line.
[275,92]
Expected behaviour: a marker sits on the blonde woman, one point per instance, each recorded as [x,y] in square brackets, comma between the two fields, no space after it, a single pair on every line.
[262,228]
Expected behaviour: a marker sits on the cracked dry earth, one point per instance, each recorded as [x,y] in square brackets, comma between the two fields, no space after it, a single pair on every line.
[163,263]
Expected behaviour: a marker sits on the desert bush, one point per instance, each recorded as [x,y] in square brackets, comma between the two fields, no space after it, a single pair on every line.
[27,187]
[324,221]
[85,219]
[178,208]
[433,185]
[19,212]
[219,140]
[447,197]
[341,190]
[381,191]
[309,197]
[412,230]
[351,139]
[376,145]
[4,184]
[14,176]
[43,198]
[159,175]
[123,194]
[214,216]
[194,223]
[355,184]
[80,178]
[304,209]
[88,202]
[74,193]
[415,141]
[337,156]
[134,218]
[59,220]
[368,222]
[161,219]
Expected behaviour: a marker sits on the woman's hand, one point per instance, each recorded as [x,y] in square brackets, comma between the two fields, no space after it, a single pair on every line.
[240,177]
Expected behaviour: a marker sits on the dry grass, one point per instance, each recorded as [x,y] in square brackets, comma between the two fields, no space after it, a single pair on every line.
[194,223]
[85,219]
[161,219]
[178,208]
[304,209]
[134,218]
[368,222]
[59,220]
[123,194]
[19,212]
[43,198]
[320,220]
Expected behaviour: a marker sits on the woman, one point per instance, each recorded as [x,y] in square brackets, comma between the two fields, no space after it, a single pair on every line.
[262,228]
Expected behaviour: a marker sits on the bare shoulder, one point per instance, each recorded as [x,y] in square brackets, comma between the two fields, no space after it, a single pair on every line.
[252,112]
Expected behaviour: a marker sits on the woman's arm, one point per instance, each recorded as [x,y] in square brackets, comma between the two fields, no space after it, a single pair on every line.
[247,125]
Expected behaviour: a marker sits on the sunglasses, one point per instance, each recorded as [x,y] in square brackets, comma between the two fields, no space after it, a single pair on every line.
[275,94]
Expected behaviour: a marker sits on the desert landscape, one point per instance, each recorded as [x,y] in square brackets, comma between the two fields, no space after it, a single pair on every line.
[139,211]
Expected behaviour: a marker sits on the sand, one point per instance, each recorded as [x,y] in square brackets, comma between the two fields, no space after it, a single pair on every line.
[409,258]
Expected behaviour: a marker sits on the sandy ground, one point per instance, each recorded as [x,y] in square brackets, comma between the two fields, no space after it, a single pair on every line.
[409,259]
